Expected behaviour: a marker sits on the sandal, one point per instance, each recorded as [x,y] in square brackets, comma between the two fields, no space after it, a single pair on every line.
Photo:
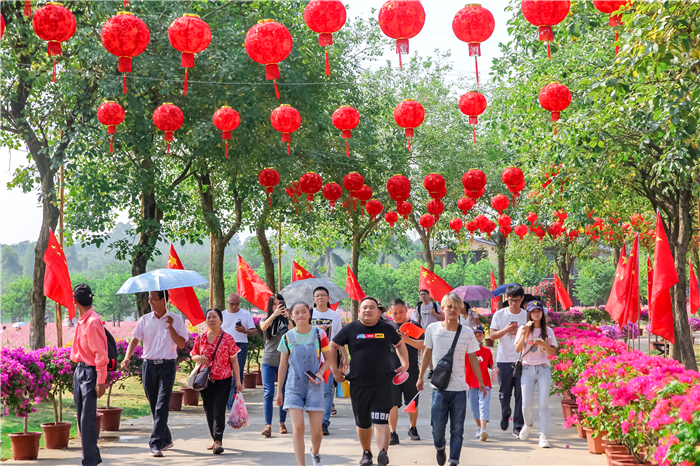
[211,447]
[218,449]
[283,428]
[333,411]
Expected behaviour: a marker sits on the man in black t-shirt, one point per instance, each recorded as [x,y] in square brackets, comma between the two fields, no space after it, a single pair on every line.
[370,341]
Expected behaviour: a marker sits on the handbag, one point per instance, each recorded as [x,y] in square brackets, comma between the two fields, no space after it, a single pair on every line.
[193,375]
[518,367]
[201,381]
[443,369]
[279,326]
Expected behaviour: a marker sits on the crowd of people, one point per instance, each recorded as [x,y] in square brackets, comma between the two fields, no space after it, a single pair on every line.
[386,356]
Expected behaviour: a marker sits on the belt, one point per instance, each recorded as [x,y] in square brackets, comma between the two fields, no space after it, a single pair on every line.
[159,361]
[82,364]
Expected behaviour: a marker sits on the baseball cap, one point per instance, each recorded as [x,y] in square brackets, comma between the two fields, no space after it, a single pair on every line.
[83,294]
[532,305]
[478,328]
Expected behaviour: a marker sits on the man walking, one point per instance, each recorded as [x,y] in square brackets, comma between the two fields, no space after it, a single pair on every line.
[427,312]
[239,324]
[369,341]
[89,350]
[504,326]
[162,333]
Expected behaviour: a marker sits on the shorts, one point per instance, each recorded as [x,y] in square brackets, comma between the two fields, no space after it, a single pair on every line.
[371,404]
[408,389]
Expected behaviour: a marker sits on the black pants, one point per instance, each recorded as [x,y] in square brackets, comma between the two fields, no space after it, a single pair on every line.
[214,399]
[507,385]
[158,381]
[85,398]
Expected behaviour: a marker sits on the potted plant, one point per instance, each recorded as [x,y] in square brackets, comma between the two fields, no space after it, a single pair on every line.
[189,396]
[57,363]
[24,382]
[111,416]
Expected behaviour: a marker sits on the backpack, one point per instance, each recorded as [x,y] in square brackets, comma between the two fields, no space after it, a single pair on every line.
[420,303]
[111,351]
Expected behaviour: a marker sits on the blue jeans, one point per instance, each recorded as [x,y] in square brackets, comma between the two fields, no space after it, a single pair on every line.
[328,398]
[269,394]
[480,405]
[242,355]
[542,377]
[453,405]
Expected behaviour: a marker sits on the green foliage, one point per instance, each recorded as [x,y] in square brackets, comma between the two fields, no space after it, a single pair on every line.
[526,262]
[15,298]
[595,316]
[595,279]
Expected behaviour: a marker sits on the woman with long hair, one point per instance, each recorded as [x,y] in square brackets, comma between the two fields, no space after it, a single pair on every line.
[274,328]
[536,342]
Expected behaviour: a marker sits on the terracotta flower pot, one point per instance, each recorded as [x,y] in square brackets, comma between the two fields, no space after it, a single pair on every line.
[595,444]
[579,428]
[567,407]
[98,423]
[488,342]
[258,378]
[25,446]
[613,449]
[56,435]
[617,459]
[176,400]
[191,397]
[111,418]
[250,380]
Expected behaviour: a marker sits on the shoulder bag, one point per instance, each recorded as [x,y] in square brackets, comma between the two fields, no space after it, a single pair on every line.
[443,369]
[202,380]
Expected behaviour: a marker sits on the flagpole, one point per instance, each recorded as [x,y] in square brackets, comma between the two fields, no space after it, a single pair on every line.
[211,254]
[279,258]
[59,312]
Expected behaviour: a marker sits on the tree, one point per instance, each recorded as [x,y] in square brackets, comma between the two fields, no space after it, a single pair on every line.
[595,279]
[11,268]
[15,300]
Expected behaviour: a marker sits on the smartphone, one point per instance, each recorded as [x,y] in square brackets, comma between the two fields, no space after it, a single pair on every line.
[238,323]
[312,375]
[283,303]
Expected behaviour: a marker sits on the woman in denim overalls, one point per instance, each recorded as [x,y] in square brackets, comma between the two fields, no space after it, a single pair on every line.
[301,349]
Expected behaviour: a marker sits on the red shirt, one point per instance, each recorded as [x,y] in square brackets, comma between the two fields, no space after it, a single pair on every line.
[221,368]
[485,358]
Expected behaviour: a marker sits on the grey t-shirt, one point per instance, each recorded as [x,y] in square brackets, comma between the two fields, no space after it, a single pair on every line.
[271,355]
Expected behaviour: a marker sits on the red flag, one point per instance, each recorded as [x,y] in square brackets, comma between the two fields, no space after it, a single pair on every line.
[57,284]
[614,305]
[184,299]
[631,309]
[436,286]
[694,292]
[299,273]
[352,287]
[561,294]
[494,301]
[665,276]
[250,286]
[650,279]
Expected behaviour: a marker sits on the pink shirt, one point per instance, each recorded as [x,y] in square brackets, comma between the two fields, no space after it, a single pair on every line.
[534,355]
[90,344]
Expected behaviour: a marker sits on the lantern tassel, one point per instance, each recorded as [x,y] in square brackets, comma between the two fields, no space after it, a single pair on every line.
[617,47]
[555,127]
[277,91]
[474,132]
[295,209]
[54,70]
[549,52]
[111,147]
[167,147]
[124,87]
[288,152]
[309,202]
[459,238]
[347,148]
[185,81]
[27,8]
[409,143]
[328,65]
[269,196]
[332,209]
[226,149]
[126,3]
[476,65]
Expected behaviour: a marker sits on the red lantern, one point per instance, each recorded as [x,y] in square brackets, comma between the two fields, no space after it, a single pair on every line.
[521,231]
[285,119]
[401,20]
[325,17]
[110,114]
[489,227]
[514,179]
[189,35]
[473,24]
[268,43]
[344,118]
[545,14]
[294,191]
[427,221]
[555,97]
[481,222]
[332,192]
[269,177]
[226,119]
[404,209]
[500,203]
[504,221]
[391,218]
[125,36]
[409,114]
[611,7]
[474,182]
[399,188]
[531,217]
[561,215]
[555,230]
[435,208]
[439,194]
[465,204]
[472,104]
[2,26]
[353,181]
[456,224]
[374,208]
[53,23]
[506,231]
[364,194]
[168,118]
[434,184]
[310,183]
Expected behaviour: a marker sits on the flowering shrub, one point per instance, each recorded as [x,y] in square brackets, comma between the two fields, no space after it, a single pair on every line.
[573,331]
[557,319]
[644,315]
[118,375]
[630,331]
[680,418]
[611,331]
[694,323]
[184,360]
[58,364]
[547,291]
[595,316]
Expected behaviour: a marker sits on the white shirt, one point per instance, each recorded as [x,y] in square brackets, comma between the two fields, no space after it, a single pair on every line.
[155,336]
[229,324]
[426,318]
[534,355]
[506,344]
[440,340]
[329,318]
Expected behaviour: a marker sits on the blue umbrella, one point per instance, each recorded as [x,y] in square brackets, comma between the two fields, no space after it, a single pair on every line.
[473,293]
[303,290]
[162,279]
[502,289]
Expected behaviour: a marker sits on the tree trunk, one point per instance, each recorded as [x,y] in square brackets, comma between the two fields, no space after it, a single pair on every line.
[217,273]
[501,251]
[266,255]
[143,252]
[355,270]
[425,241]
[683,348]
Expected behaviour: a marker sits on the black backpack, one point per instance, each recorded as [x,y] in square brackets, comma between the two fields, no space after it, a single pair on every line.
[420,303]
[111,351]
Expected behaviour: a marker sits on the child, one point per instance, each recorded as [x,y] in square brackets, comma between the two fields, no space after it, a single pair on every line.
[480,404]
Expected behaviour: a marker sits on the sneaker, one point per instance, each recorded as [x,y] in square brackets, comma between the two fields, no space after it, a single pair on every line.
[441,457]
[366,458]
[478,433]
[394,439]
[504,422]
[267,431]
[156,453]
[382,458]
[413,433]
[524,432]
[430,376]
[324,428]
[168,446]
[544,443]
[516,433]
[316,459]
[483,435]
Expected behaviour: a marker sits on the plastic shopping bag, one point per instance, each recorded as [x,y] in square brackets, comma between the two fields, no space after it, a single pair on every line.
[239,414]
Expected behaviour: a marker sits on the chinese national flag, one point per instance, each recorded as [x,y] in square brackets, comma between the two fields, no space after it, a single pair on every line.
[250,286]
[631,308]
[184,299]
[650,279]
[299,273]
[561,295]
[352,287]
[494,301]
[614,305]
[665,276]
[694,292]
[57,284]
[436,286]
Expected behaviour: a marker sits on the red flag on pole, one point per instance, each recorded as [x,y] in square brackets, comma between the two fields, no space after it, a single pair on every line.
[299,273]
[436,286]
[494,301]
[57,284]
[352,287]
[650,279]
[665,276]
[561,294]
[694,291]
[250,286]
[184,299]
[614,305]
[631,309]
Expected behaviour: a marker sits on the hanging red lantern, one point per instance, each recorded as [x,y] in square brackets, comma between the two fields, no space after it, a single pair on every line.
[427,221]
[481,221]
[545,14]
[168,118]
[294,191]
[521,231]
[332,192]
[364,194]
[401,20]
[506,230]
[345,118]
[269,177]
[268,43]
[500,203]
[555,97]
[531,217]
[53,23]
[310,183]
[472,104]
[110,114]
[189,35]
[489,227]
[472,227]
[434,184]
[435,208]
[465,204]
[374,208]
[504,221]
[561,215]
[439,194]
[474,182]
[391,218]
[286,119]
[404,209]
[353,181]
[409,114]
[325,17]
[611,7]
[456,224]
[226,120]
[399,188]
[473,24]
[514,179]
[125,36]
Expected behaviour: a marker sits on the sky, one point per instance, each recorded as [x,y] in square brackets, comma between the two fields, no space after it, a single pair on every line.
[21,213]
